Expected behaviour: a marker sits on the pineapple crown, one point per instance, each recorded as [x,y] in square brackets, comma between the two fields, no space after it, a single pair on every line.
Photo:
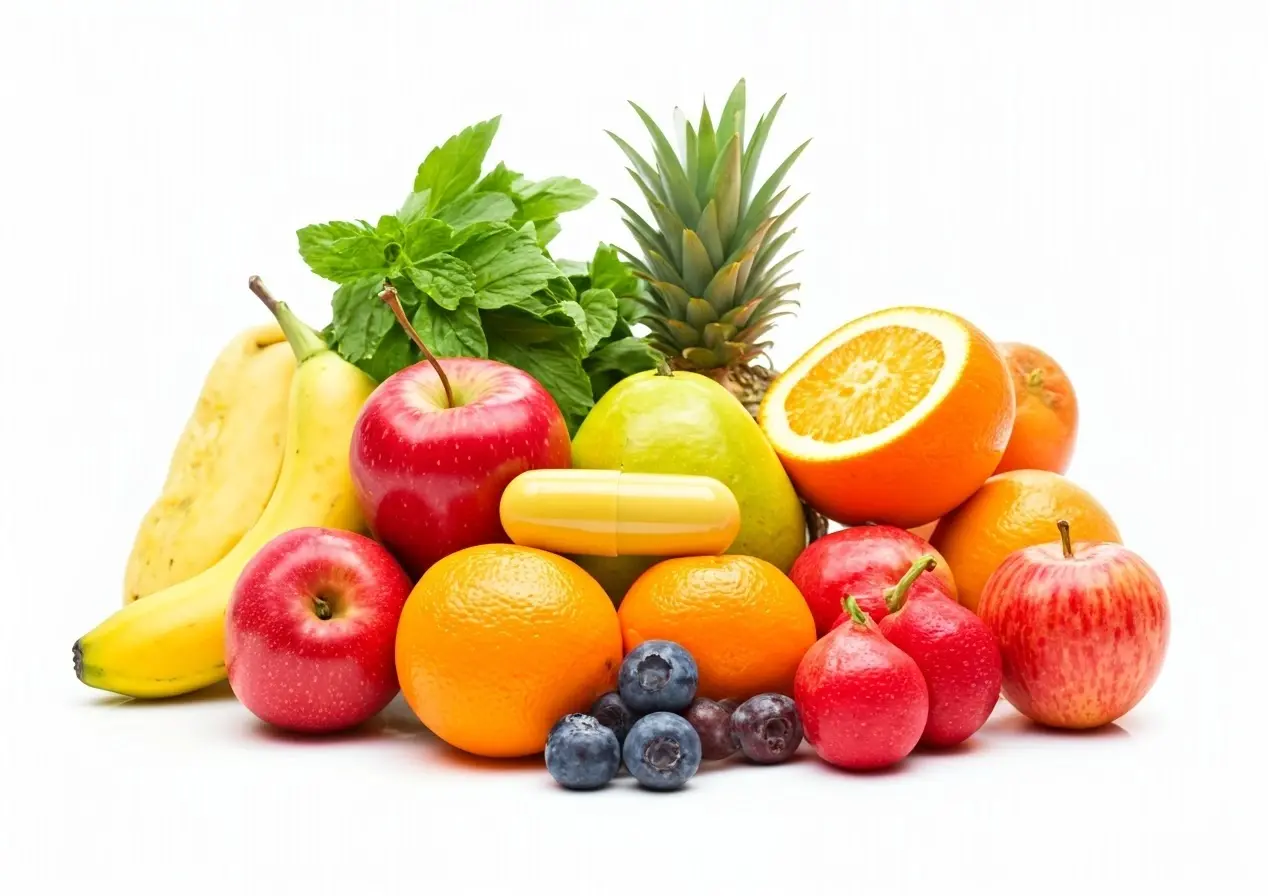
[712,260]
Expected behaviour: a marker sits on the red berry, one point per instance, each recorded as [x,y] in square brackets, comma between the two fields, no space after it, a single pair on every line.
[957,653]
[863,702]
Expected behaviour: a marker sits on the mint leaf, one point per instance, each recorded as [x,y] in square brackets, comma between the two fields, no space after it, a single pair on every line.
[426,237]
[500,180]
[609,272]
[360,318]
[451,334]
[614,361]
[476,207]
[546,231]
[455,165]
[446,279]
[556,367]
[394,353]
[524,325]
[553,196]
[415,206]
[574,269]
[340,250]
[508,267]
[600,307]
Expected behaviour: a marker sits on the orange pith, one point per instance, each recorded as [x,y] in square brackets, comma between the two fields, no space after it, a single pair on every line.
[864,385]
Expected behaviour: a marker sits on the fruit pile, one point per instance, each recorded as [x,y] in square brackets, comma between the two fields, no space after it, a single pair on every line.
[478,486]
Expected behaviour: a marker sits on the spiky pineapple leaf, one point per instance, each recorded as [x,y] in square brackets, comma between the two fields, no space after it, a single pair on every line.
[708,231]
[691,155]
[756,145]
[726,176]
[683,200]
[702,358]
[699,313]
[722,290]
[651,176]
[681,333]
[707,152]
[757,210]
[765,258]
[697,269]
[739,317]
[717,334]
[670,225]
[662,268]
[733,114]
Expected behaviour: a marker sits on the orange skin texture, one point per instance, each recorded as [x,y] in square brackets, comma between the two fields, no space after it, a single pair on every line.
[1044,427]
[742,619]
[927,470]
[497,642]
[861,562]
[1082,638]
[1012,511]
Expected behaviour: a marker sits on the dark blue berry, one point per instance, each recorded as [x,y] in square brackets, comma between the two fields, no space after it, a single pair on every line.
[614,715]
[662,751]
[711,720]
[581,753]
[767,728]
[658,676]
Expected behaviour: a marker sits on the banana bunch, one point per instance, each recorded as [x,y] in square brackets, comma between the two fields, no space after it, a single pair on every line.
[224,467]
[171,641]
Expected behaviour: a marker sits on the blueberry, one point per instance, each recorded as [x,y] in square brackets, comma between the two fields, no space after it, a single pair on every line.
[662,751]
[767,728]
[658,676]
[581,753]
[711,720]
[614,715]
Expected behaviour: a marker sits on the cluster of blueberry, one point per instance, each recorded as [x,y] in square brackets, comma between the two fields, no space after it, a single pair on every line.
[655,728]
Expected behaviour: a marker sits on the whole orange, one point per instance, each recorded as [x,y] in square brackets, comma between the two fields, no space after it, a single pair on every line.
[1012,511]
[497,642]
[1044,425]
[743,620]
[895,417]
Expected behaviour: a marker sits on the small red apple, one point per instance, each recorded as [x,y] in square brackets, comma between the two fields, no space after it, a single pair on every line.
[1082,630]
[436,445]
[311,630]
[865,562]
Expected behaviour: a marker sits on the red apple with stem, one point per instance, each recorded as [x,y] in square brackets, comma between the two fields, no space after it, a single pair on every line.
[1082,629]
[436,445]
[863,561]
[311,630]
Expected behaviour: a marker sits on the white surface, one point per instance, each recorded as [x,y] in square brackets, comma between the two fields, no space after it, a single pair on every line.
[1089,177]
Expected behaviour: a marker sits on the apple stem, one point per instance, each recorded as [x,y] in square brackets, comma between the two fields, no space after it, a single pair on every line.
[1064,529]
[856,616]
[304,341]
[664,369]
[896,596]
[322,608]
[392,298]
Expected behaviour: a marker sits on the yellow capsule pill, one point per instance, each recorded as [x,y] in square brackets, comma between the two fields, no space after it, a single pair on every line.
[608,513]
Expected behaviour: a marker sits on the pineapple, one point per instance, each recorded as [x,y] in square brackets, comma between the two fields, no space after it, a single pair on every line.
[712,256]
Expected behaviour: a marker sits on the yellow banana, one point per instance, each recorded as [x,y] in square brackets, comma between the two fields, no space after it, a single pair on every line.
[224,467]
[172,642]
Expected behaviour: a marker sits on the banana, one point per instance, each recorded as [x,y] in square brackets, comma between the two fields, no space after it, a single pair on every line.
[224,467]
[171,643]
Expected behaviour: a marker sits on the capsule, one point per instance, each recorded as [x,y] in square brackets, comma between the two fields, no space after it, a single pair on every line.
[608,513]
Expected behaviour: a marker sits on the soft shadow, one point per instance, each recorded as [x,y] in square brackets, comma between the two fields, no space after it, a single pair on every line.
[454,758]
[212,694]
[971,745]
[262,731]
[1015,723]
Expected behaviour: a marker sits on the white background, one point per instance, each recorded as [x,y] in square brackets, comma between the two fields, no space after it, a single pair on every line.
[1089,177]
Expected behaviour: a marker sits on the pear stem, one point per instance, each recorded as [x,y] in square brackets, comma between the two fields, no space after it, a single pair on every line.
[897,595]
[392,298]
[304,341]
[856,616]
[664,369]
[1064,529]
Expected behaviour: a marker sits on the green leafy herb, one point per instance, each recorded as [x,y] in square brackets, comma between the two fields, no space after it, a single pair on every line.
[467,253]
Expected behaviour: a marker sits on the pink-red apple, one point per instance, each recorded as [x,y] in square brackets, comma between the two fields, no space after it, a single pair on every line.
[430,466]
[311,630]
[863,562]
[1082,630]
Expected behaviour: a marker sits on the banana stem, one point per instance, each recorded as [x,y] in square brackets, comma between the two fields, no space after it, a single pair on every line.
[392,298]
[304,341]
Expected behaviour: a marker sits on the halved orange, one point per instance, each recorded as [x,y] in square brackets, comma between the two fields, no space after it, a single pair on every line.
[896,417]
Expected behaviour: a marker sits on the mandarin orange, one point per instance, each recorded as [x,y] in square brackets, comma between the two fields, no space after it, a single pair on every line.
[1012,511]
[896,417]
[1044,426]
[497,642]
[745,623]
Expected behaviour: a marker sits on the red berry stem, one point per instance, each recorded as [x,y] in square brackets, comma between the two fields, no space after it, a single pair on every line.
[896,596]
[856,616]
[392,298]
[1064,529]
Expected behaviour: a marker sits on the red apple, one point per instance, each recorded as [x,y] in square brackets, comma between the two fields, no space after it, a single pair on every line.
[863,562]
[429,475]
[311,630]
[1082,630]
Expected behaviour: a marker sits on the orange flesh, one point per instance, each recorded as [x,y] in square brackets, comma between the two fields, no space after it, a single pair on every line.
[868,383]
